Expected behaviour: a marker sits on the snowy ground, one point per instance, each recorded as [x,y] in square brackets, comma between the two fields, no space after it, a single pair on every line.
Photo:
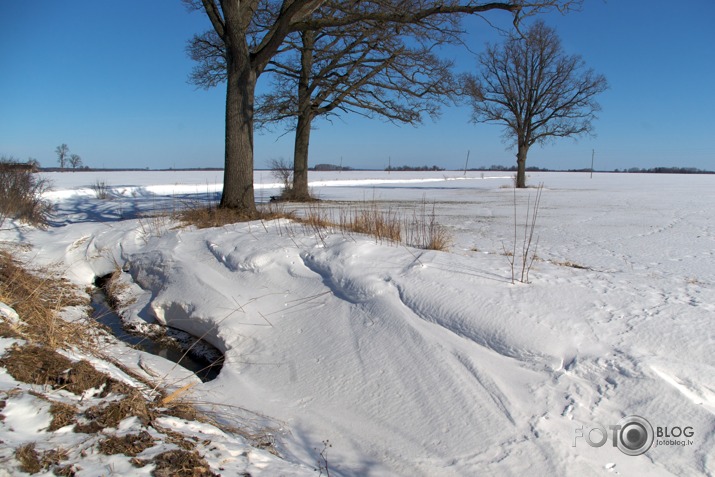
[413,362]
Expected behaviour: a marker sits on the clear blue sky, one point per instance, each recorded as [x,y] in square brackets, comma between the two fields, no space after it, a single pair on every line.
[109,77]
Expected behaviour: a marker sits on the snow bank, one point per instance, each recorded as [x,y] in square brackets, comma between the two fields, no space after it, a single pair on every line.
[430,363]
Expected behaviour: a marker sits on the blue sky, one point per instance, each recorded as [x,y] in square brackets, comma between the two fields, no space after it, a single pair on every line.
[109,79]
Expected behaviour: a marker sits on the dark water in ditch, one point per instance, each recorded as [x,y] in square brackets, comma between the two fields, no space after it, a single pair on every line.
[104,314]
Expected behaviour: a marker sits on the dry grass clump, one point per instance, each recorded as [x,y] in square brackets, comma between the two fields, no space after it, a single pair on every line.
[366,218]
[423,230]
[181,463]
[205,217]
[29,458]
[37,300]
[33,462]
[8,330]
[130,444]
[62,415]
[372,220]
[101,189]
[112,413]
[570,264]
[317,218]
[385,224]
[46,367]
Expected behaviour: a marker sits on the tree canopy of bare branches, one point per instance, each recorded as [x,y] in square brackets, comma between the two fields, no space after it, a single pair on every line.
[372,69]
[536,90]
[253,32]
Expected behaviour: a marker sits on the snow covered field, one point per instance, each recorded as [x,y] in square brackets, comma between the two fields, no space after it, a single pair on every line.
[426,363]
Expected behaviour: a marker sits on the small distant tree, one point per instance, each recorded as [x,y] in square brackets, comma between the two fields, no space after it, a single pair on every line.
[62,152]
[535,89]
[75,161]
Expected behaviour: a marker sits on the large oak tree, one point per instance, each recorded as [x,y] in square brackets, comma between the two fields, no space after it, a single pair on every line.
[536,90]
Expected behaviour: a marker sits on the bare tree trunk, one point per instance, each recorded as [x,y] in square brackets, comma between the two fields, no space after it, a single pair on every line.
[300,158]
[521,165]
[238,192]
[305,118]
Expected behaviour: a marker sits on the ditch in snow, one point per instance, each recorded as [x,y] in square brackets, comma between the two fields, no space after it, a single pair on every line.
[167,347]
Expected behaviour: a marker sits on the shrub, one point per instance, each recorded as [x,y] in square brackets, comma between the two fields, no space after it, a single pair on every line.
[101,190]
[283,171]
[21,194]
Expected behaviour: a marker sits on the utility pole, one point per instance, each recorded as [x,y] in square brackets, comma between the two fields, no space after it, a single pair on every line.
[593,153]
[466,163]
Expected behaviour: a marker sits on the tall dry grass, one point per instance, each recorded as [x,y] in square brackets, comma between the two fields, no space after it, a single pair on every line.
[421,229]
[38,297]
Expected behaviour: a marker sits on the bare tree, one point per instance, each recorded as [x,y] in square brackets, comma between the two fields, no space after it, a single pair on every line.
[62,151]
[535,89]
[252,33]
[75,161]
[372,69]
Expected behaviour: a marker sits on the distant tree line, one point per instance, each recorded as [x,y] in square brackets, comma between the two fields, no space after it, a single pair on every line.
[330,167]
[414,168]
[667,170]
[653,170]
[496,167]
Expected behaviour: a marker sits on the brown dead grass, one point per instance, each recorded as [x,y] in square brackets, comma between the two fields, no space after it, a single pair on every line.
[368,218]
[37,297]
[29,458]
[129,445]
[205,217]
[423,231]
[570,264]
[181,463]
[178,439]
[62,415]
[46,367]
[33,462]
[112,413]
[372,220]
[7,330]
[68,470]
